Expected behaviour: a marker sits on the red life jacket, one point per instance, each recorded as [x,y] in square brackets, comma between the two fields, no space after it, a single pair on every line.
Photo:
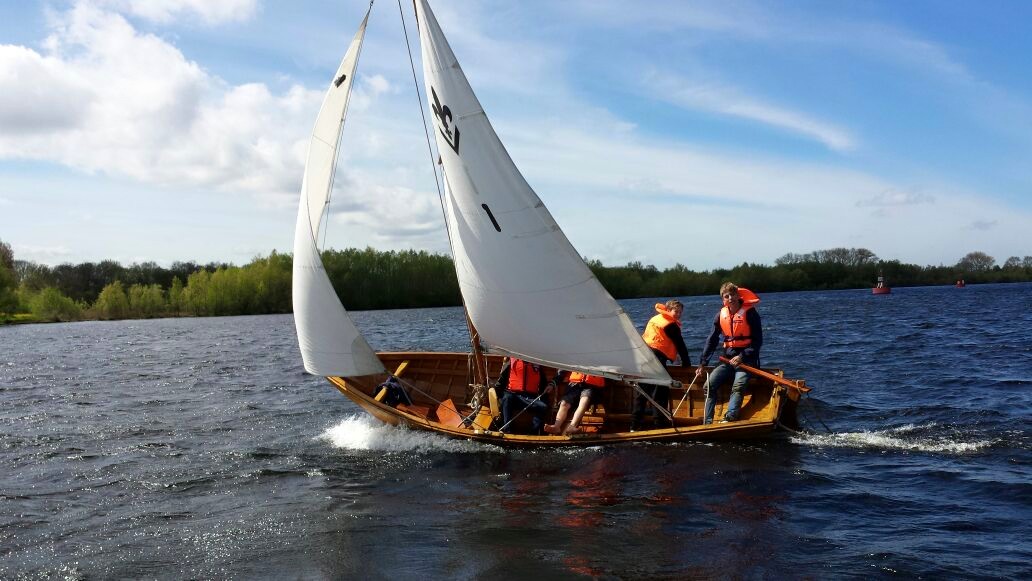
[592,380]
[524,377]
[655,335]
[735,328]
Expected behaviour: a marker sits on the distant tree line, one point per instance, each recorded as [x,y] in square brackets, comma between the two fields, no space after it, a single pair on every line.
[833,269]
[373,279]
[107,290]
[365,279]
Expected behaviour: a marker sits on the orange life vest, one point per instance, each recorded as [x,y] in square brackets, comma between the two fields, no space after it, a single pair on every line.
[655,335]
[524,377]
[593,380]
[735,327]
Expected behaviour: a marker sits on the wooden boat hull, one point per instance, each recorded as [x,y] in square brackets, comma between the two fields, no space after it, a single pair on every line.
[433,378]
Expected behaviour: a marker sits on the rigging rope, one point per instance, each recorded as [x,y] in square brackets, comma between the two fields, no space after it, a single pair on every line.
[422,114]
[788,429]
[689,390]
[413,386]
[340,135]
[530,405]
[433,166]
[813,408]
[661,409]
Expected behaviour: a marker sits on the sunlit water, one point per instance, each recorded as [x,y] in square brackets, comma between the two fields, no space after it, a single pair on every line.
[198,448]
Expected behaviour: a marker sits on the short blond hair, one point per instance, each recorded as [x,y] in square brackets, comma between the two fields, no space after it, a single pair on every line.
[728,287]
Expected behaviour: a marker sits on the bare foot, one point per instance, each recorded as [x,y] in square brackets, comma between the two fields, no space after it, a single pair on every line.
[570,430]
[551,429]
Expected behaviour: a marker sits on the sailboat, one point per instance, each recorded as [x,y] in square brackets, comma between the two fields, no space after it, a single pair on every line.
[526,291]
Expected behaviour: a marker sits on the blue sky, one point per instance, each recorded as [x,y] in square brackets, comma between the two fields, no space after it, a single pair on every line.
[175,130]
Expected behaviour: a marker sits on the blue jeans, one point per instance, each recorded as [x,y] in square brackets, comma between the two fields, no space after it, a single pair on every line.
[514,403]
[717,378]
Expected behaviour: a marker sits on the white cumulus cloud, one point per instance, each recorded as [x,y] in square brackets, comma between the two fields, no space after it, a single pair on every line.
[896,198]
[40,94]
[106,98]
[164,11]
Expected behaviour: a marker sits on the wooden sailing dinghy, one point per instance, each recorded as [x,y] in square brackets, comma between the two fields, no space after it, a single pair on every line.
[526,291]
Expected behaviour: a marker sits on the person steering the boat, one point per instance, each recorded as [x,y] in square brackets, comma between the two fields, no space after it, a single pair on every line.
[525,387]
[663,335]
[739,324]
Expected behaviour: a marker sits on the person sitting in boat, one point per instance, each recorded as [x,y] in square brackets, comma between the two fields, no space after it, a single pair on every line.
[663,335]
[583,390]
[525,385]
[739,324]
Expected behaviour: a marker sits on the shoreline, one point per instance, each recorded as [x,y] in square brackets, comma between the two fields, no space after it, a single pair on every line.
[25,320]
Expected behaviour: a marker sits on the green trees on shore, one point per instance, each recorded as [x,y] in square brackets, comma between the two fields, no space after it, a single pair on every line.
[833,269]
[373,279]
[8,281]
[367,279]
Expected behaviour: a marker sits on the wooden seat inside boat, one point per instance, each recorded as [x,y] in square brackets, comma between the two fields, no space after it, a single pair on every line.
[594,419]
[691,410]
[448,415]
[422,411]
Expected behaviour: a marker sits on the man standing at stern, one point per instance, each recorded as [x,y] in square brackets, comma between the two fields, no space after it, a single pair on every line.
[739,324]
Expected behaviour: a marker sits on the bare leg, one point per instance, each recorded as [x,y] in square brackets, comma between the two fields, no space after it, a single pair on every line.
[560,417]
[582,406]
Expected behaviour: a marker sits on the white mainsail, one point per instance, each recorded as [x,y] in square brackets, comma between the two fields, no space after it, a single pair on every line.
[526,289]
[330,343]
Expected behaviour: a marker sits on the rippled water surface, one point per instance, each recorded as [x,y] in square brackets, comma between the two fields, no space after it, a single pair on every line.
[198,448]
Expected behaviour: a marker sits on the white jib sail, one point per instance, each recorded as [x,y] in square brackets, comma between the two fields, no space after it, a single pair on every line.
[526,288]
[330,343]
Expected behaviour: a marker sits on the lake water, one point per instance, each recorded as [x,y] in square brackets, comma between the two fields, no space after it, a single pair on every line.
[198,448]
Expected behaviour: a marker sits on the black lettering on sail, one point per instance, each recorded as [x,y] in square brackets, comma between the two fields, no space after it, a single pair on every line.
[444,116]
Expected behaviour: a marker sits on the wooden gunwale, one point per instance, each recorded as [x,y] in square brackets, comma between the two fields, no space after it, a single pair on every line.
[431,373]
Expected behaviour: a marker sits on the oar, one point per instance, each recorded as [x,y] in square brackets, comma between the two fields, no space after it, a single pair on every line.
[797,384]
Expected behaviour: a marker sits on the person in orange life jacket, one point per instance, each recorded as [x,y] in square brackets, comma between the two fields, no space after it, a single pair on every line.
[583,390]
[740,325]
[524,383]
[663,335]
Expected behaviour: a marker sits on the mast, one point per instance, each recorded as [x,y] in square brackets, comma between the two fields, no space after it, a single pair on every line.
[479,363]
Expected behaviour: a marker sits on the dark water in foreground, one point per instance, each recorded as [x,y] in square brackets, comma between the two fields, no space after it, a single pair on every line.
[197,448]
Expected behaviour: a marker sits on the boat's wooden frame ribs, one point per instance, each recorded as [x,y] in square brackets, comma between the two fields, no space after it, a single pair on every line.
[435,376]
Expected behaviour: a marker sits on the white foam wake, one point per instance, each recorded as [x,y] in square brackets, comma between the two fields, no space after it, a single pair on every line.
[907,437]
[366,433]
